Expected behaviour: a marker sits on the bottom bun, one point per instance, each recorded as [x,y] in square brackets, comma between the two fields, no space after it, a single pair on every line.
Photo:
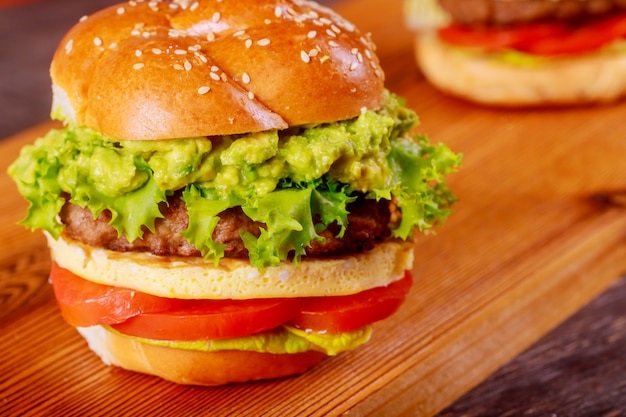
[583,79]
[191,367]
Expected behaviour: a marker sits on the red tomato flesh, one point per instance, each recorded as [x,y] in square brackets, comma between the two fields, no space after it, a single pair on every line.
[546,39]
[496,38]
[351,312]
[211,319]
[85,303]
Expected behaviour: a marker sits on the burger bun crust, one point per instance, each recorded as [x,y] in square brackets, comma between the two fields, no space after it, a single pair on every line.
[191,367]
[148,70]
[583,79]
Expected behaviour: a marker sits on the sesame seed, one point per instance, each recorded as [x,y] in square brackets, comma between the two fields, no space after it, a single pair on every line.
[250,95]
[353,66]
[152,4]
[139,65]
[359,56]
[333,44]
[317,22]
[194,48]
[335,29]
[368,54]
[194,6]
[201,57]
[69,45]
[138,52]
[311,34]
[214,76]
[180,52]
[263,42]
[363,110]
[224,77]
[210,36]
[113,45]
[267,21]
[178,67]
[313,52]
[215,68]
[331,33]
[187,65]
[354,51]
[326,21]
[216,17]
[83,18]
[378,73]
[172,33]
[97,41]
[239,33]
[348,26]
[245,78]
[277,11]
[135,32]
[305,57]
[173,6]
[132,3]
[248,43]
[156,51]
[204,89]
[120,10]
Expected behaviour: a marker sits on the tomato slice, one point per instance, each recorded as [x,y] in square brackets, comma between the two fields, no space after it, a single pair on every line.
[573,42]
[546,39]
[85,303]
[211,319]
[499,38]
[351,312]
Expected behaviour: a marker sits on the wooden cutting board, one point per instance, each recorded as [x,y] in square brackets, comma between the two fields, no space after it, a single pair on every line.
[539,231]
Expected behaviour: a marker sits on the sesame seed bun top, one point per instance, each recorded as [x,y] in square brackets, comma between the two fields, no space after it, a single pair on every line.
[159,70]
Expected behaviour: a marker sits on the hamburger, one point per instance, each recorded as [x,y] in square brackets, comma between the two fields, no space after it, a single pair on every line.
[234,192]
[523,52]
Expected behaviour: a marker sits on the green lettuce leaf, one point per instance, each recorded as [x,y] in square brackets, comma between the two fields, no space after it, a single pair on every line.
[281,179]
[330,203]
[422,195]
[36,179]
[277,341]
[289,226]
[203,218]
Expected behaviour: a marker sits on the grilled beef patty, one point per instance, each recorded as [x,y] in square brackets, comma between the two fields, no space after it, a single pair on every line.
[506,12]
[368,224]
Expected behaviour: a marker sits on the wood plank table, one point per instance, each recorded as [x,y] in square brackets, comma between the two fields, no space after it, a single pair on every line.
[539,232]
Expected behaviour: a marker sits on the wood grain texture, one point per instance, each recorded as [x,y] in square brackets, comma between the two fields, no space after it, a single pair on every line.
[540,230]
[573,372]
